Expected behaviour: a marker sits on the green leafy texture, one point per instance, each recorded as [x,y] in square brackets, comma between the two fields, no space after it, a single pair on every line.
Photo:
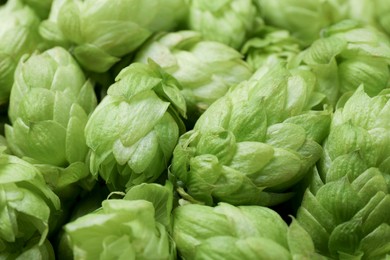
[348,213]
[254,143]
[303,18]
[229,232]
[205,69]
[226,21]
[102,33]
[49,107]
[133,131]
[19,35]
[346,56]
[121,229]
[270,43]
[28,207]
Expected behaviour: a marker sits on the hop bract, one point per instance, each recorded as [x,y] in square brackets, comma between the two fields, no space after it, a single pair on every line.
[103,32]
[27,207]
[49,107]
[244,232]
[346,211]
[270,43]
[135,128]
[303,18]
[121,229]
[19,35]
[347,56]
[205,69]
[254,143]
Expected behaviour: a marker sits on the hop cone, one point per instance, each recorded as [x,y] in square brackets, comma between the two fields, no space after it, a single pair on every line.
[135,227]
[346,209]
[254,143]
[102,32]
[19,35]
[49,107]
[244,232]
[349,55]
[226,21]
[270,43]
[303,18]
[205,69]
[135,128]
[27,207]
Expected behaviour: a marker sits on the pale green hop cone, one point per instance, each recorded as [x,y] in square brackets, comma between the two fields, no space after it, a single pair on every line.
[361,124]
[226,21]
[19,35]
[121,229]
[133,131]
[205,69]
[101,32]
[270,43]
[28,208]
[347,217]
[49,107]
[244,232]
[347,56]
[252,145]
[346,211]
[303,18]
[140,222]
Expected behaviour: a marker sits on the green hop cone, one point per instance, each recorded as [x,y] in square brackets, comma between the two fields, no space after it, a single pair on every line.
[134,129]
[49,29]
[244,232]
[361,125]
[226,21]
[121,229]
[254,143]
[28,208]
[347,56]
[19,35]
[347,217]
[303,18]
[205,69]
[49,107]
[270,43]
[101,33]
[346,212]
